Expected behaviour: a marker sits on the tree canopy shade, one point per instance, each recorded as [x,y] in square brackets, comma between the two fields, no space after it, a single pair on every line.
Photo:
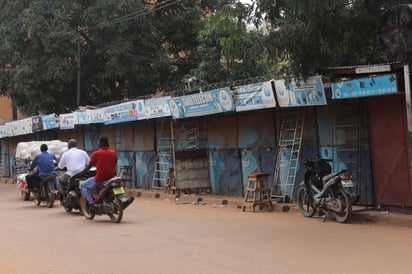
[227,50]
[133,48]
[311,34]
[125,49]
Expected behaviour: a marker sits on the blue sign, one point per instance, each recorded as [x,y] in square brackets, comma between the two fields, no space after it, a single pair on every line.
[373,86]
[254,96]
[200,104]
[49,121]
[157,107]
[296,93]
[125,112]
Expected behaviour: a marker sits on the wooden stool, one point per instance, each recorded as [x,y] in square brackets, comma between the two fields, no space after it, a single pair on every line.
[257,187]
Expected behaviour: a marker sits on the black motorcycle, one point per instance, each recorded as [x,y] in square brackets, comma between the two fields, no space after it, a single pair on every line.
[45,193]
[326,191]
[109,198]
[70,197]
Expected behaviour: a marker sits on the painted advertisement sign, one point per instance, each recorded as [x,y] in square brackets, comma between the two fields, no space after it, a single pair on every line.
[373,86]
[157,107]
[80,118]
[254,96]
[3,131]
[37,123]
[296,93]
[199,104]
[49,121]
[125,112]
[95,116]
[21,127]
[67,121]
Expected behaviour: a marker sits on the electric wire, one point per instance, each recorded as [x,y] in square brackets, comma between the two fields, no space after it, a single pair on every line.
[137,14]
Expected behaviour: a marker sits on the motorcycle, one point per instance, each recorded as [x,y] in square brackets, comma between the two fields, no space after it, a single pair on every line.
[45,193]
[70,197]
[109,197]
[41,190]
[326,191]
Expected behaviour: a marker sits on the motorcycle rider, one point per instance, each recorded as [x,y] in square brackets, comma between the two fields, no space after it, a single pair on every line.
[105,160]
[45,163]
[74,161]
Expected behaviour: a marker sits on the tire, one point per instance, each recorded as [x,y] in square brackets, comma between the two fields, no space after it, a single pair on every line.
[68,209]
[25,195]
[117,217]
[307,209]
[50,199]
[346,212]
[39,195]
[84,210]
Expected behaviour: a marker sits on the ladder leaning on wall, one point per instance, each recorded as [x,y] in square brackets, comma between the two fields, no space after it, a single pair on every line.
[165,154]
[287,156]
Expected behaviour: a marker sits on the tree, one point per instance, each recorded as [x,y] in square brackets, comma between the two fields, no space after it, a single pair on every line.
[128,49]
[228,50]
[309,35]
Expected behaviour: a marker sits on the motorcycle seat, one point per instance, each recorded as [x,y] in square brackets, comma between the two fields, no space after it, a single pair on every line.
[49,178]
[327,177]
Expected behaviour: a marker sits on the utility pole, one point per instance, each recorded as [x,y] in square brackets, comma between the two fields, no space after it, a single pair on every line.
[78,71]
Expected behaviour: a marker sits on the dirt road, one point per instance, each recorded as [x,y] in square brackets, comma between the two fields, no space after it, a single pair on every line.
[158,236]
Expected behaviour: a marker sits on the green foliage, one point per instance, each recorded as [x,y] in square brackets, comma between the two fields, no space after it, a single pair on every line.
[228,50]
[132,48]
[309,35]
[125,50]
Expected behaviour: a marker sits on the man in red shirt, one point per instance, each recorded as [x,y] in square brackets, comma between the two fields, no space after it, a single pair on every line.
[105,161]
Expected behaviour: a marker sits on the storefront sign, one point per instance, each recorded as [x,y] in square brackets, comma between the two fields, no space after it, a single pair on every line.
[157,107]
[3,132]
[294,93]
[37,123]
[372,86]
[21,127]
[200,104]
[67,121]
[49,121]
[254,96]
[125,112]
[95,116]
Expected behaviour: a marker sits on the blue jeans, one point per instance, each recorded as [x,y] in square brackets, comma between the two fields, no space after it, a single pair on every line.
[86,191]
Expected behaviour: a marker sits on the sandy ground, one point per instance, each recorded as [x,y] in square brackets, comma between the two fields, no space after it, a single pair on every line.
[158,236]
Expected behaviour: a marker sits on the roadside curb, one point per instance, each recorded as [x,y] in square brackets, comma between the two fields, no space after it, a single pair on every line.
[361,214]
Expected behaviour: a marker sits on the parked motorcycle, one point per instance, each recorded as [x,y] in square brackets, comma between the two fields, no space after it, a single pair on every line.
[109,198]
[326,191]
[70,197]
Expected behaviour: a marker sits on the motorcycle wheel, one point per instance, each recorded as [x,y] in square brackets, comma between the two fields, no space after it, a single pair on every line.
[25,195]
[84,210]
[50,199]
[307,209]
[39,195]
[68,209]
[117,217]
[343,216]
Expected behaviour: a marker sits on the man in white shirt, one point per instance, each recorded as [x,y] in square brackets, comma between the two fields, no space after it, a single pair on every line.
[74,160]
